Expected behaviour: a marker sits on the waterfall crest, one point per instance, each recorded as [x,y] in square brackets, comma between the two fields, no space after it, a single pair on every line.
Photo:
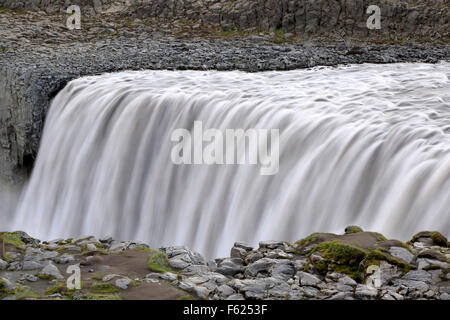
[367,145]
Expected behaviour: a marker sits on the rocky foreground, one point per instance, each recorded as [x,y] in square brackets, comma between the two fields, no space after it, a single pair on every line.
[355,265]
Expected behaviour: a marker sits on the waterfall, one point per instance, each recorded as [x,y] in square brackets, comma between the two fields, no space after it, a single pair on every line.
[366,145]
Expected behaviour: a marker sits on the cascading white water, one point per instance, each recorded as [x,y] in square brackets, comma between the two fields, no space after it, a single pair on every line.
[366,145]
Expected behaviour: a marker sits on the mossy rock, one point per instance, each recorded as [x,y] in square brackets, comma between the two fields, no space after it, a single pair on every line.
[103,288]
[57,288]
[353,229]
[350,253]
[12,238]
[362,240]
[3,291]
[89,296]
[435,237]
[158,262]
[23,293]
[304,245]
[338,257]
[374,257]
[432,254]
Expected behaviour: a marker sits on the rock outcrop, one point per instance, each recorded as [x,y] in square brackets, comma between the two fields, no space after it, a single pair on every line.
[403,18]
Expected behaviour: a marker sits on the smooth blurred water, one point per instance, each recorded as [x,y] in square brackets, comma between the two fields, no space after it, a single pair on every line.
[367,145]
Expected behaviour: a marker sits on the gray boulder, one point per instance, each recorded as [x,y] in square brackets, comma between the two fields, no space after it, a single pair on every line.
[52,271]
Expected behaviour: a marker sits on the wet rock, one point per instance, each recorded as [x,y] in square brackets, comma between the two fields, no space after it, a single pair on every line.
[52,271]
[31,265]
[238,253]
[261,265]
[122,283]
[352,229]
[225,291]
[72,249]
[283,270]
[64,258]
[388,272]
[282,290]
[346,280]
[178,263]
[7,284]
[278,254]
[230,267]
[411,285]
[243,245]
[418,275]
[109,277]
[271,244]
[236,297]
[431,254]
[91,247]
[444,296]
[195,269]
[365,292]
[201,292]
[28,277]
[401,253]
[306,279]
[299,264]
[430,238]
[169,276]
[3,264]
[181,257]
[342,296]
[117,247]
[106,240]
[254,256]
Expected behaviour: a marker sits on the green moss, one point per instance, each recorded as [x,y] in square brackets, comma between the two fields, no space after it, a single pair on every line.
[98,249]
[89,296]
[97,277]
[353,229]
[158,262]
[8,257]
[3,291]
[380,237]
[20,293]
[374,257]
[308,240]
[13,11]
[44,277]
[142,249]
[432,267]
[186,297]
[57,288]
[12,238]
[25,293]
[339,257]
[61,288]
[103,288]
[278,36]
[436,237]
